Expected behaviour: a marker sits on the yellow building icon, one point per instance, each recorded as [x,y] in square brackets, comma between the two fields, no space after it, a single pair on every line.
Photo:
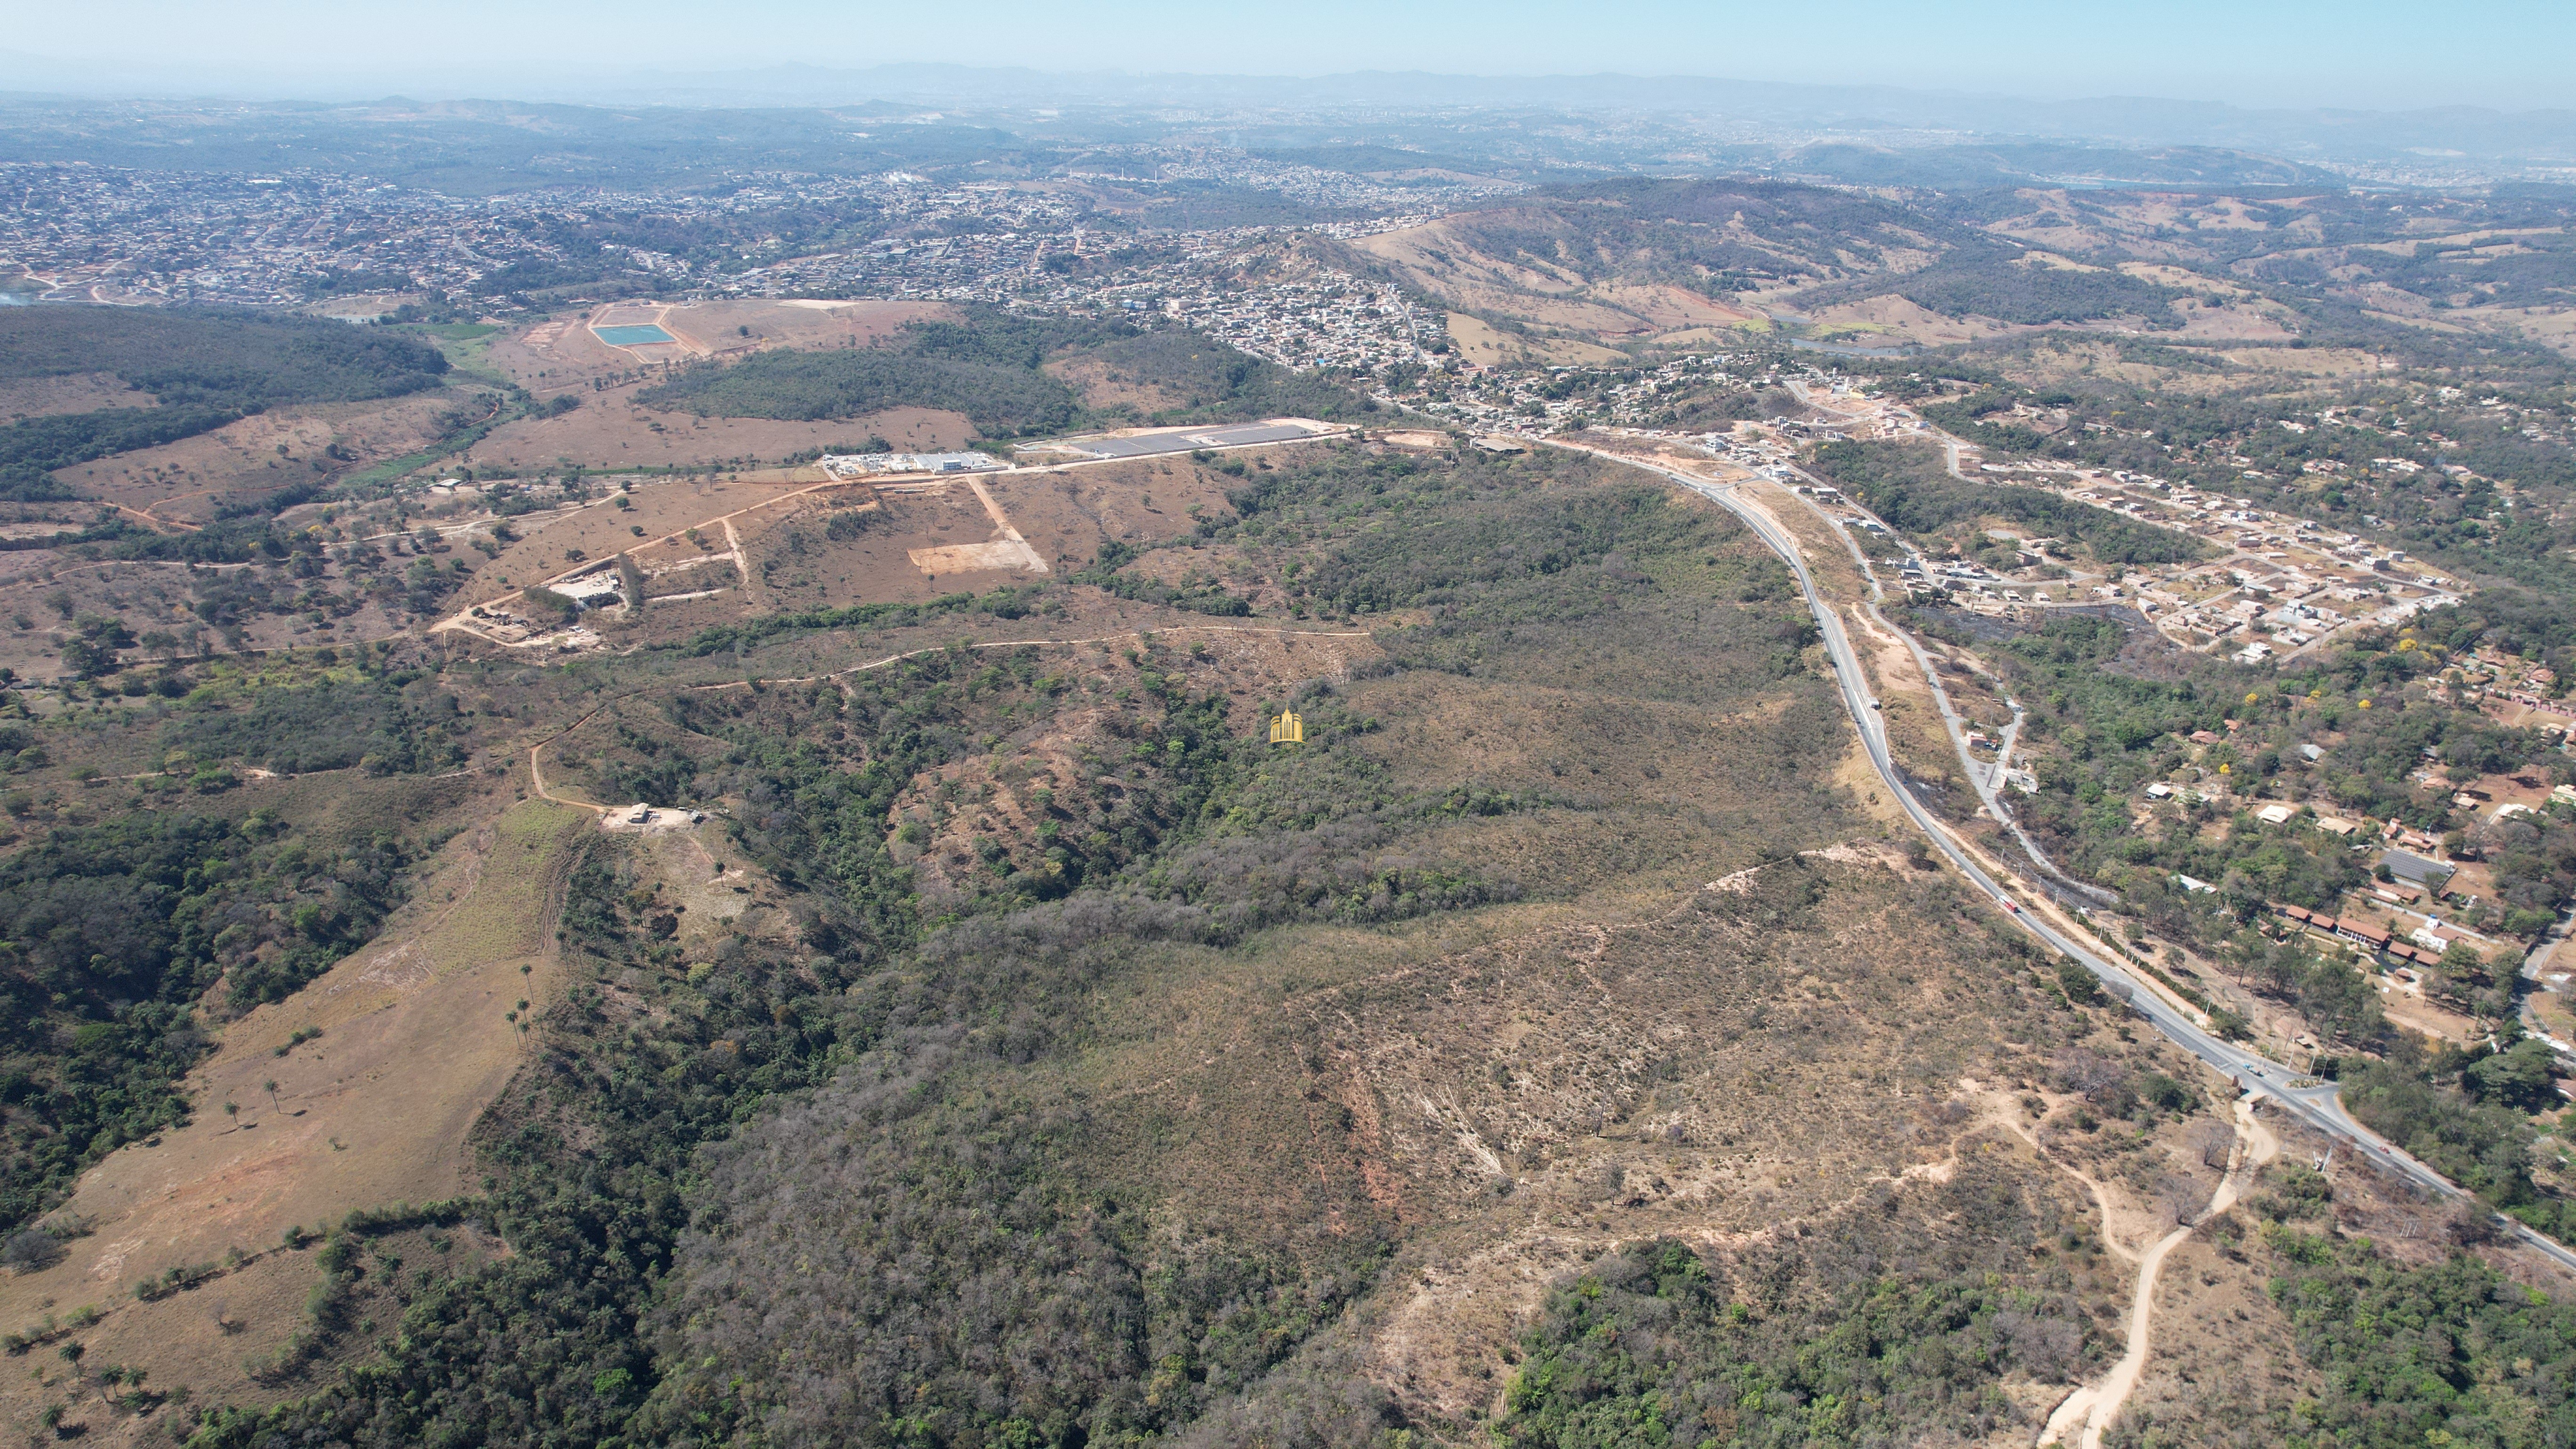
[1287,729]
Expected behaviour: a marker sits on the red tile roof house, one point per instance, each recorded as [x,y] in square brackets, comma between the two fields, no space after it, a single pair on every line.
[2302,916]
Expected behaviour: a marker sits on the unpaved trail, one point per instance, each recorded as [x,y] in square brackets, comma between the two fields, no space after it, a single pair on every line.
[2101,1195]
[537,769]
[2095,1405]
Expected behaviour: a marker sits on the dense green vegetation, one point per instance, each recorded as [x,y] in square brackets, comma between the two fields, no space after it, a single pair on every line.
[28,450]
[1660,1346]
[2469,1114]
[989,366]
[986,367]
[1220,385]
[2454,1353]
[2483,1146]
[221,357]
[809,809]
[113,933]
[372,721]
[206,369]
[1988,281]
[1002,401]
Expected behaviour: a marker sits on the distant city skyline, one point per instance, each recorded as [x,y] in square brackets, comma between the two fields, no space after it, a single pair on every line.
[2372,55]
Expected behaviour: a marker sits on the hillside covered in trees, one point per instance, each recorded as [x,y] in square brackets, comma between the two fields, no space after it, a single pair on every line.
[991,366]
[204,368]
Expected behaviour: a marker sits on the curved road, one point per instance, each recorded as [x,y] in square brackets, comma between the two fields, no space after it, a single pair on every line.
[1980,778]
[2313,1103]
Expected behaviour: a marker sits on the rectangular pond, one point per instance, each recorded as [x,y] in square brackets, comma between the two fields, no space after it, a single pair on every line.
[639,334]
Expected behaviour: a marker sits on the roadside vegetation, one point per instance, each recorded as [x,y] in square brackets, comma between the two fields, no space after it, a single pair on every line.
[2356,735]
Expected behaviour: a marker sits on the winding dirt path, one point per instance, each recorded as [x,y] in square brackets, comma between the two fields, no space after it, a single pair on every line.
[2093,1406]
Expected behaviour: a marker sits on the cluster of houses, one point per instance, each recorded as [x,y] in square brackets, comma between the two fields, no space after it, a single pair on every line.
[2376,940]
[2490,680]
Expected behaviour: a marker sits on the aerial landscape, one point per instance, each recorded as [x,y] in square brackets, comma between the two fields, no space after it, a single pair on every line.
[966,731]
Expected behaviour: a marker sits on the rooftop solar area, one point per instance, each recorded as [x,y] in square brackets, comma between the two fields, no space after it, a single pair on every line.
[1257,433]
[1133,447]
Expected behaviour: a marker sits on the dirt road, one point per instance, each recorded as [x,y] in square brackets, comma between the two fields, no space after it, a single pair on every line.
[2095,1405]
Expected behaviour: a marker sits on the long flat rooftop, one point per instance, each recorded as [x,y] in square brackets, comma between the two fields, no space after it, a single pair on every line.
[1146,445]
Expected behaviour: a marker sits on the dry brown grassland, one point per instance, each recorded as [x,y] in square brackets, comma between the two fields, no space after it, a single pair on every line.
[381,1067]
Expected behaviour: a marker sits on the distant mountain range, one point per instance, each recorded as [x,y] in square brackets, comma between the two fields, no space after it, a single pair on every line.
[1776,119]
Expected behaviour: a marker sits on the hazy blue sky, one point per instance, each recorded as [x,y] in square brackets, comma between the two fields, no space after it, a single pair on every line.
[2368,53]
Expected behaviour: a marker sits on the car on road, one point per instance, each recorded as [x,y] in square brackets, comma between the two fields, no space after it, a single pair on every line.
[1873,704]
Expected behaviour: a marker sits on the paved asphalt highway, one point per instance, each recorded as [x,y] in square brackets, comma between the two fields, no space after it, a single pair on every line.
[2314,1103]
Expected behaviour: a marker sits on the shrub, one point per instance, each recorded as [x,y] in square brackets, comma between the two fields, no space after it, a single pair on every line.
[31,1250]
